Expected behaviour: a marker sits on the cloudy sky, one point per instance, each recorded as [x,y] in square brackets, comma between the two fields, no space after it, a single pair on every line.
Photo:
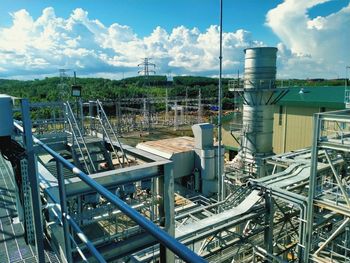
[109,38]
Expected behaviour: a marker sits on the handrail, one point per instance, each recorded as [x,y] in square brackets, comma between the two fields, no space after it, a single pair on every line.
[164,238]
[80,150]
[105,132]
[103,113]
[71,115]
[77,229]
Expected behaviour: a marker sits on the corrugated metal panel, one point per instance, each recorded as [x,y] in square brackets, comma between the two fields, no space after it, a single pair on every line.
[291,131]
[278,136]
[299,127]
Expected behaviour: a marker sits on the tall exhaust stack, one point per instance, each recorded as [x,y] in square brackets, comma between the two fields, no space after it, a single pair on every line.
[259,96]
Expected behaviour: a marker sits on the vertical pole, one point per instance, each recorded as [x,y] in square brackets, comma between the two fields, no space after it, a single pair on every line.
[81,116]
[186,105]
[175,116]
[182,120]
[347,97]
[161,215]
[119,116]
[144,111]
[312,188]
[166,105]
[169,200]
[149,119]
[268,234]
[54,120]
[90,114]
[33,180]
[80,210]
[64,211]
[346,77]
[199,106]
[220,175]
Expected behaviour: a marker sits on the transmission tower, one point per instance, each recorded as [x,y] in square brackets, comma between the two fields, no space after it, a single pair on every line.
[145,69]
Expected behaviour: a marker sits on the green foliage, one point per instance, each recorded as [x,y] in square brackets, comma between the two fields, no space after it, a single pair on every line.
[105,89]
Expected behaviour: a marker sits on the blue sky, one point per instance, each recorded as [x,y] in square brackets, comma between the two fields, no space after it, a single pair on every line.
[144,15]
[288,24]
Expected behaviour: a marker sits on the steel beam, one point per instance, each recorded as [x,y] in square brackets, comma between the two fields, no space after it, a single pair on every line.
[75,186]
[64,212]
[331,237]
[339,182]
[312,188]
[33,180]
[165,239]
[269,215]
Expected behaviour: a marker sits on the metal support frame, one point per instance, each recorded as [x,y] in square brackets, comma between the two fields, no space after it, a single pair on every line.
[64,211]
[27,203]
[164,238]
[324,192]
[33,180]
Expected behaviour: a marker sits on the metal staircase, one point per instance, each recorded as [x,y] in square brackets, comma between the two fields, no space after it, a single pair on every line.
[79,148]
[110,135]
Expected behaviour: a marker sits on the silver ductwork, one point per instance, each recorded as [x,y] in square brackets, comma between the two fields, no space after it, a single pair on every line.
[259,80]
[259,96]
[206,156]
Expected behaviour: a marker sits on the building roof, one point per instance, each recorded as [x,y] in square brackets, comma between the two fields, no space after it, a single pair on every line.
[168,147]
[325,96]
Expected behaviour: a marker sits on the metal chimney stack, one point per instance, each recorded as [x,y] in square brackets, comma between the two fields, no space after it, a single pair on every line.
[259,96]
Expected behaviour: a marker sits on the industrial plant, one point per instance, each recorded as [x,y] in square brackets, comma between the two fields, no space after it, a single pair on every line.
[74,190]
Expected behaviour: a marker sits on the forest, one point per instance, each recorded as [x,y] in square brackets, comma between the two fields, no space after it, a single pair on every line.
[55,89]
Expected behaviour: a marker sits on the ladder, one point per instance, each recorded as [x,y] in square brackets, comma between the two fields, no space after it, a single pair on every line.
[79,141]
[109,132]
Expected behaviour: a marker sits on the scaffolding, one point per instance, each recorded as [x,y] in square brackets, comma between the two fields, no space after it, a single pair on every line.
[328,230]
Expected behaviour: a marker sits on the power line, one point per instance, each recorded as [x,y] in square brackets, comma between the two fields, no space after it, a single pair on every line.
[146,69]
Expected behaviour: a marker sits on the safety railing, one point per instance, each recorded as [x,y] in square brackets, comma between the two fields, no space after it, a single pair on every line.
[164,238]
[79,140]
[108,131]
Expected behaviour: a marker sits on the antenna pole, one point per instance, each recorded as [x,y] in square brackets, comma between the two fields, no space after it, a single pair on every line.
[220,175]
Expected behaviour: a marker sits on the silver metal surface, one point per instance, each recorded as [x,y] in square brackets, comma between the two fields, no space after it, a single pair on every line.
[165,239]
[6,119]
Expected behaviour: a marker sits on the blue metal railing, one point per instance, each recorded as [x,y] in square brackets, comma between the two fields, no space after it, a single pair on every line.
[164,238]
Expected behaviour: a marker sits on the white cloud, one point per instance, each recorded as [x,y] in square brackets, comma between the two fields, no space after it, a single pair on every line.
[32,47]
[318,47]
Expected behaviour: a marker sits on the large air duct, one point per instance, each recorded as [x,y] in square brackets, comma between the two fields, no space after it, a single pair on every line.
[259,96]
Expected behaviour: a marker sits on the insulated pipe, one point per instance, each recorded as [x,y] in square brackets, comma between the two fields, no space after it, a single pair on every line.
[164,238]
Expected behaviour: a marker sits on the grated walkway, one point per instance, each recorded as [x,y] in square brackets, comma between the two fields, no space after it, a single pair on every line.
[13,247]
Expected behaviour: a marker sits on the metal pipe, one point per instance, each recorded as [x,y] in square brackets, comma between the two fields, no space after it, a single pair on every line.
[178,248]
